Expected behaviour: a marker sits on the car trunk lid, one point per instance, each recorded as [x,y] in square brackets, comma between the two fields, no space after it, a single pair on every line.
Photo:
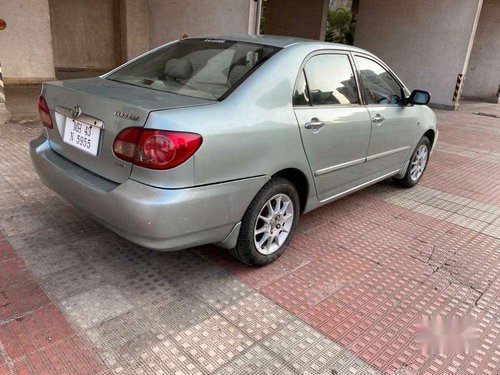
[110,106]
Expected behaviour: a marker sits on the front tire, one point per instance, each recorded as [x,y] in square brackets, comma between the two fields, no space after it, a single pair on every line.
[418,164]
[268,224]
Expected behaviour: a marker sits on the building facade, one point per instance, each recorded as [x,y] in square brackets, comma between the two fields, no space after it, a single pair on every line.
[449,47]
[46,37]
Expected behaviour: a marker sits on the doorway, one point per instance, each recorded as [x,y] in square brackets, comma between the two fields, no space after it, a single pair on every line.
[86,36]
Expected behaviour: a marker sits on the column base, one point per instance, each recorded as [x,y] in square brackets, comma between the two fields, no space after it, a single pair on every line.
[4,114]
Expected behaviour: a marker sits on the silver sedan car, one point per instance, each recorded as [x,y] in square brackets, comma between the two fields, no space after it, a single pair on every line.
[229,140]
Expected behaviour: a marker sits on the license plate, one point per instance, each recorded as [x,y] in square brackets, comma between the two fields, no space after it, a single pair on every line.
[82,136]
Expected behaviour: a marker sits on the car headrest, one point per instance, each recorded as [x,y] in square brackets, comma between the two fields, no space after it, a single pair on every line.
[178,68]
[236,73]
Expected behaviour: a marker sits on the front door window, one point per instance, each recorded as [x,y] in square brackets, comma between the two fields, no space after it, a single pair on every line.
[379,86]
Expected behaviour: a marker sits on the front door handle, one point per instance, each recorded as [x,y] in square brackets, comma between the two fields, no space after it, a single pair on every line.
[314,124]
[378,119]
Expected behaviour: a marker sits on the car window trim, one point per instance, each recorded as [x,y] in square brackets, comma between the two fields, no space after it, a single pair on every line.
[303,73]
[326,52]
[387,69]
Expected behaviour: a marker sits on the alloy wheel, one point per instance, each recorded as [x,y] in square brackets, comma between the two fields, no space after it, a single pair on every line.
[273,224]
[418,162]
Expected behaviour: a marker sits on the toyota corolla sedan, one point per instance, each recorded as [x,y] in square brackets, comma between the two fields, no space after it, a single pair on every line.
[229,140]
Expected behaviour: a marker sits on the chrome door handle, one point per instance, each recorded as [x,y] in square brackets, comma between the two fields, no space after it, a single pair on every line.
[314,124]
[378,119]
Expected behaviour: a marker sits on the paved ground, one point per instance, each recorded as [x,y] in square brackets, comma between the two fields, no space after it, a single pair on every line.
[22,102]
[344,299]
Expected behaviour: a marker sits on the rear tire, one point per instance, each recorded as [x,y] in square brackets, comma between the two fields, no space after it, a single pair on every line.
[418,164]
[268,224]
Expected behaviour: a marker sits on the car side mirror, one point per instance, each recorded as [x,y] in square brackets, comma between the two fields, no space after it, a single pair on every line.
[419,97]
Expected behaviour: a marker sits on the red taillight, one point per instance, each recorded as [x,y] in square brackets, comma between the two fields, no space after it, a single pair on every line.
[43,111]
[155,149]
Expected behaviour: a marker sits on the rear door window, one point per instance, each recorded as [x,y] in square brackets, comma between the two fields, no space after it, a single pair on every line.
[331,80]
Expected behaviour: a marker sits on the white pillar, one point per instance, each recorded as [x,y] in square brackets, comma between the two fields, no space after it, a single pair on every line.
[4,113]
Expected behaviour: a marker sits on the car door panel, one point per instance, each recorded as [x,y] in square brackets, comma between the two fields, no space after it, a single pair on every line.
[334,125]
[392,122]
[336,152]
[390,140]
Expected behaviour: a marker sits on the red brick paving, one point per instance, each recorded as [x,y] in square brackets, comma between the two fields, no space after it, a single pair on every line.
[363,271]
[71,356]
[35,338]
[475,179]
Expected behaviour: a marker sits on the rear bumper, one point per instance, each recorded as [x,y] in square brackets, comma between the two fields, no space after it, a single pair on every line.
[162,219]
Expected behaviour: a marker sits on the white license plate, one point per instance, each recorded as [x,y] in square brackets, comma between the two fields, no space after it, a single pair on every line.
[82,136]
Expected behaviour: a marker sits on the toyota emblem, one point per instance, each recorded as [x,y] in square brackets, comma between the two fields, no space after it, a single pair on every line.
[76,111]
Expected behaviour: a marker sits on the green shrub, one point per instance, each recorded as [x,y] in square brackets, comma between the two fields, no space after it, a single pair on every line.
[340,26]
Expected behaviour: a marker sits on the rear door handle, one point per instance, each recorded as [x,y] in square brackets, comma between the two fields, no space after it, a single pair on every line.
[314,124]
[378,119]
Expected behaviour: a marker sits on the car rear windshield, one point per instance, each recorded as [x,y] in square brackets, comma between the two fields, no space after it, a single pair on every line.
[201,68]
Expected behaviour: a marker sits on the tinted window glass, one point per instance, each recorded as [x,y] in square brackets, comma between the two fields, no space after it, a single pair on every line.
[331,80]
[379,86]
[301,96]
[203,68]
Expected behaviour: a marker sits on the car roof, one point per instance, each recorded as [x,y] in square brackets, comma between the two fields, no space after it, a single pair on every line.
[281,41]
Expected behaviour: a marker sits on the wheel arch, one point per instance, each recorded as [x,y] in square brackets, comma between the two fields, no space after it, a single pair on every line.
[431,134]
[299,180]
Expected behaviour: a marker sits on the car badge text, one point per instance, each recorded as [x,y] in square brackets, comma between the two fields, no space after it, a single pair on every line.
[76,111]
[127,116]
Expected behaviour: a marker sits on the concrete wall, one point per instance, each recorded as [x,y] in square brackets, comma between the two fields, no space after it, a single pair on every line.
[483,75]
[86,34]
[170,19]
[135,28]
[26,44]
[426,42]
[334,4]
[296,18]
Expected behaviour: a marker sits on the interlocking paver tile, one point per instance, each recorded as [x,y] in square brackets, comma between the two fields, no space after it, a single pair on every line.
[93,307]
[144,284]
[257,360]
[44,259]
[213,342]
[70,356]
[256,316]
[74,280]
[309,352]
[477,214]
[6,251]
[467,222]
[19,222]
[13,271]
[146,354]
[360,273]
[433,212]
[20,299]
[10,201]
[492,230]
[33,332]
[221,290]
[176,311]
[444,204]
[117,331]
[298,254]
